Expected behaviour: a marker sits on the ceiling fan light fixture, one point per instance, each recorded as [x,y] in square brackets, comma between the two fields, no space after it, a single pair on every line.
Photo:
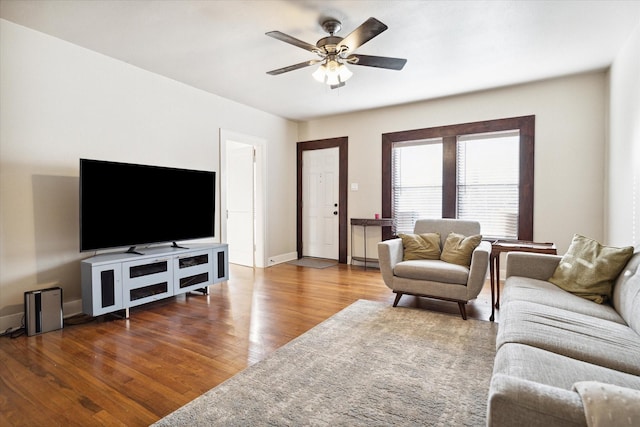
[332,73]
[344,73]
[320,73]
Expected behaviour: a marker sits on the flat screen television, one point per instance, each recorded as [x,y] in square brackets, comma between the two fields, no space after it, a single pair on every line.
[123,204]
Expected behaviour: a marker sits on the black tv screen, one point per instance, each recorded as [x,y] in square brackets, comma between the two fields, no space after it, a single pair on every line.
[123,204]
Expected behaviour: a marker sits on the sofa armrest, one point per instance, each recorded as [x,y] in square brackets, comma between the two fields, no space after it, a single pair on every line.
[389,254]
[514,401]
[478,269]
[532,265]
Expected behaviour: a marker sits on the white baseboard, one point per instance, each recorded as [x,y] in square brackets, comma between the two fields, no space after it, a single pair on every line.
[11,321]
[14,321]
[279,259]
[71,308]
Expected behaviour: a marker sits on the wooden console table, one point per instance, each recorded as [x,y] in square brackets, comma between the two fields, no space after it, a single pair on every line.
[499,246]
[364,223]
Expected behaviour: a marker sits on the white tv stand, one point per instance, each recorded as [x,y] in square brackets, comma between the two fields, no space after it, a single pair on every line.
[118,281]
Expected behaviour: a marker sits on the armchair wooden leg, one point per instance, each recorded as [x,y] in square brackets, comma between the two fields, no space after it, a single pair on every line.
[463,309]
[398,296]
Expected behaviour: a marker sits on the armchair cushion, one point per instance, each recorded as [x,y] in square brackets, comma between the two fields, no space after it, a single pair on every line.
[433,271]
[459,248]
[420,246]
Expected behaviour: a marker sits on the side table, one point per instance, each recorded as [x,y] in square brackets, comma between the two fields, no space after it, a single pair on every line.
[499,246]
[364,223]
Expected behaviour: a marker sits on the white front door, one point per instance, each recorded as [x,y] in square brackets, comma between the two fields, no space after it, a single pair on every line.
[320,221]
[240,197]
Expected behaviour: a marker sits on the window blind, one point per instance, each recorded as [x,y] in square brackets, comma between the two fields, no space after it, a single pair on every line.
[488,182]
[416,182]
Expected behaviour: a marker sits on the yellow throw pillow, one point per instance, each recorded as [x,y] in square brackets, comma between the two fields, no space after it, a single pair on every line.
[420,246]
[589,269]
[458,248]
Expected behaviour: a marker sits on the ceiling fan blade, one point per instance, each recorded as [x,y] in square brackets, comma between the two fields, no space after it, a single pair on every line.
[377,61]
[293,67]
[365,32]
[292,40]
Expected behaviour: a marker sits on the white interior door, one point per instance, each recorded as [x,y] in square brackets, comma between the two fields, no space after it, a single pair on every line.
[320,221]
[240,203]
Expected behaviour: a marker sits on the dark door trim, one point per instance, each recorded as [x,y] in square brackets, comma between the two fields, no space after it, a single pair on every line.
[342,144]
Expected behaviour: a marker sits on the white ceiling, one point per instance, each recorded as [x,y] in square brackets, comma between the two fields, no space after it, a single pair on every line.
[452,47]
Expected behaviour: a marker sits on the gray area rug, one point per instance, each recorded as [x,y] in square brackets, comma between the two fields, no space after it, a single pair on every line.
[370,364]
[313,262]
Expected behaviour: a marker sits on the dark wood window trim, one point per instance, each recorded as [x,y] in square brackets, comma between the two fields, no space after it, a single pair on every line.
[343,159]
[449,135]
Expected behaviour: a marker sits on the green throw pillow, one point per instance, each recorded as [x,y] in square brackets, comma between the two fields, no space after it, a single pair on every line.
[420,246]
[458,248]
[589,269]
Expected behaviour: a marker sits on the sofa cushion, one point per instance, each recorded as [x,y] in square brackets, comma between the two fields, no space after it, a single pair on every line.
[545,367]
[458,248]
[575,335]
[626,293]
[518,288]
[420,246]
[432,270]
[589,269]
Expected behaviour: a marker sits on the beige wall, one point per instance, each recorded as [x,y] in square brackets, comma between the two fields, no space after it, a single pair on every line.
[623,197]
[60,102]
[569,148]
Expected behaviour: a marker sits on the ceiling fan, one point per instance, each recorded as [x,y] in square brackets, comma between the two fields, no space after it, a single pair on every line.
[335,52]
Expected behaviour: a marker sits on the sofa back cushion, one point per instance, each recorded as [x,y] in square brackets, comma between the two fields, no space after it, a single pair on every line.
[445,226]
[626,293]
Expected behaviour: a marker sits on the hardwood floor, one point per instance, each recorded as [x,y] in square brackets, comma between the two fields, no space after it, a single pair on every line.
[112,371]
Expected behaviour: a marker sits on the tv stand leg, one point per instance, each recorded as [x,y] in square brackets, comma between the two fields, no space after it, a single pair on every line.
[205,290]
[120,314]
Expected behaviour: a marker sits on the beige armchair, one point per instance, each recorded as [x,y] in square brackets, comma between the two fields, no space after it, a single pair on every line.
[435,278]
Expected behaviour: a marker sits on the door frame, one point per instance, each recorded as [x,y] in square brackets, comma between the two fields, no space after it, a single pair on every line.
[260,190]
[343,163]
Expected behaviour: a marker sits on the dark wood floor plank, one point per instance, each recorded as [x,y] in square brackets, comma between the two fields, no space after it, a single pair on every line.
[113,371]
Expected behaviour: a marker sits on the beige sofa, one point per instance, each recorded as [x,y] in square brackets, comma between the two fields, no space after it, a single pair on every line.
[551,342]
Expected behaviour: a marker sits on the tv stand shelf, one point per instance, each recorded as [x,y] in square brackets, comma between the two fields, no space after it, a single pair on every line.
[118,281]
